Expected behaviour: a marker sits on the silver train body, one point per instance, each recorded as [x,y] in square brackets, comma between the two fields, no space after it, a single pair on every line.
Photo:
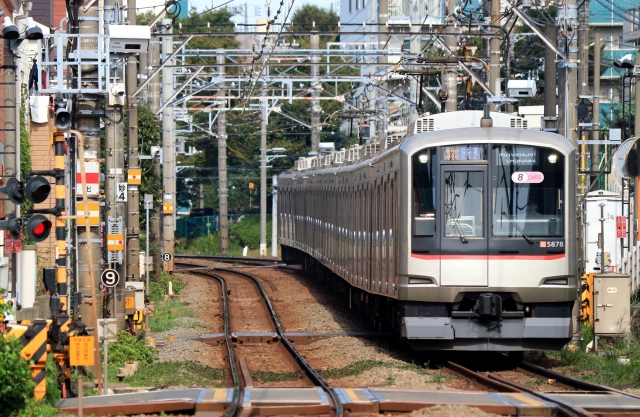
[461,236]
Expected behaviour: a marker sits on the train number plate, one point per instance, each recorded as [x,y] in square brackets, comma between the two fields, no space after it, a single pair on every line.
[552,244]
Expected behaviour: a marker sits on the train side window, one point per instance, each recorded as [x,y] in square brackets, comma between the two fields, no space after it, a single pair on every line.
[424,192]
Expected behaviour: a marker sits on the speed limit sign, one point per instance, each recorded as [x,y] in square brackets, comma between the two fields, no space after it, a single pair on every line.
[167,257]
[110,278]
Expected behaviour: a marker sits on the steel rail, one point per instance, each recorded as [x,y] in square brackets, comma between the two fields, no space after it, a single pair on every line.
[569,381]
[566,408]
[311,374]
[232,259]
[498,384]
[235,399]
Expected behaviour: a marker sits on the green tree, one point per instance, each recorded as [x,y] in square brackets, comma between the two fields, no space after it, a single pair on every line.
[16,385]
[149,129]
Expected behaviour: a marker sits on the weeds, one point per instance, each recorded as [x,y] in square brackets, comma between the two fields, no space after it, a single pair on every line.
[604,369]
[534,383]
[166,314]
[390,381]
[438,377]
[266,377]
[177,373]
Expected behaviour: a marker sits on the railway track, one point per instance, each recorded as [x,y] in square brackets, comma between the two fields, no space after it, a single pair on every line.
[224,276]
[562,396]
[233,259]
[489,390]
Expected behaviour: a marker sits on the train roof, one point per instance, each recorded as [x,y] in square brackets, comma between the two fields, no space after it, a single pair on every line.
[440,127]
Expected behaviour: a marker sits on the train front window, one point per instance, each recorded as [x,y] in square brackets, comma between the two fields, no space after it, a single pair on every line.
[463,203]
[528,199]
[424,192]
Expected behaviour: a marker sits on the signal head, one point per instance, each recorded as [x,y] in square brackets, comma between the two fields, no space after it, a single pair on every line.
[37,189]
[38,227]
[13,225]
[14,191]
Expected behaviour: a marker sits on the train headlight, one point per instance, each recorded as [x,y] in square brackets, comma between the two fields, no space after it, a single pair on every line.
[553,158]
[423,158]
[413,280]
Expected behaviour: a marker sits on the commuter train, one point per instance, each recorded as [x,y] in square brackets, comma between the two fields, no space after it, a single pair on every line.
[459,237]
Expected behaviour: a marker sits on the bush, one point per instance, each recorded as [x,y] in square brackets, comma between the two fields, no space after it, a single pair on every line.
[159,286]
[247,232]
[129,348]
[16,385]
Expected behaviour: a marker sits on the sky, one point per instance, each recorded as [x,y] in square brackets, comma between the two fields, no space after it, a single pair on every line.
[253,6]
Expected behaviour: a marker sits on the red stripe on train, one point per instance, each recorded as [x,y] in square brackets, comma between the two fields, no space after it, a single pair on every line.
[490,257]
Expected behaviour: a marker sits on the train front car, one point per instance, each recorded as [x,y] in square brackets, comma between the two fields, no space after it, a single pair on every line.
[487,240]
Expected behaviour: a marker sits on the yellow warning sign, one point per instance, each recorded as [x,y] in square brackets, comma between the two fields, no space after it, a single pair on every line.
[81,351]
[167,208]
[94,214]
[134,176]
[129,302]
[115,241]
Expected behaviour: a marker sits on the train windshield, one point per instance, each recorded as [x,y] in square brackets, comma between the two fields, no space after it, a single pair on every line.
[527,185]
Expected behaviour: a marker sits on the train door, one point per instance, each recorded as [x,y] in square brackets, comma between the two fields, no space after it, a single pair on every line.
[464,259]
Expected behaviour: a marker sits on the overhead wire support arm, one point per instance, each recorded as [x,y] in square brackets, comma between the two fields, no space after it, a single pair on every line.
[164,63]
[522,15]
[182,87]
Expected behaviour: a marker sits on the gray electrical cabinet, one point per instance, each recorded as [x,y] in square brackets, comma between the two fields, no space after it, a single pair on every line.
[611,304]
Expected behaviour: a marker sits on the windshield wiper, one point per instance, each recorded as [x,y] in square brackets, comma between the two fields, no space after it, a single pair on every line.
[524,235]
[460,232]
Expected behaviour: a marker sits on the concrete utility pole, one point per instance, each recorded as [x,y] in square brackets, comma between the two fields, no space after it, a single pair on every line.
[168,151]
[494,51]
[583,86]
[114,167]
[314,44]
[550,102]
[133,198]
[595,135]
[414,87]
[222,163]
[636,132]
[88,250]
[155,222]
[10,130]
[567,72]
[567,112]
[263,174]
[451,71]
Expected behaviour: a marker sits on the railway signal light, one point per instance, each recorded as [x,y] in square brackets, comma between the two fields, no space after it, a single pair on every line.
[13,225]
[37,189]
[38,227]
[14,191]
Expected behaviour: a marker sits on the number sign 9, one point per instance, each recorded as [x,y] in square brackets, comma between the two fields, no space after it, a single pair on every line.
[110,278]
[527,177]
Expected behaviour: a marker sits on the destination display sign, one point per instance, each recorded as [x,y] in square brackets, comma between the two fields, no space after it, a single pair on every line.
[464,153]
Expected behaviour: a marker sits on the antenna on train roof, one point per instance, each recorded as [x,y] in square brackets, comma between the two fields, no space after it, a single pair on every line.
[486,120]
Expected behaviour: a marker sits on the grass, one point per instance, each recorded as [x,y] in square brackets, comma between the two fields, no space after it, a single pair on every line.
[535,382]
[603,369]
[166,314]
[177,373]
[266,377]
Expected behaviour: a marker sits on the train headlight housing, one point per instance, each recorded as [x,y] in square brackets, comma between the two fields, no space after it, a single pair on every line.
[423,158]
[553,158]
[413,280]
[556,281]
